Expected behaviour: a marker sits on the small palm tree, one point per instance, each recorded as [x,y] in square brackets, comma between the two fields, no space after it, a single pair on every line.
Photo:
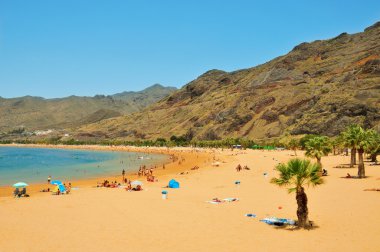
[373,148]
[296,174]
[350,140]
[364,139]
[293,144]
[317,147]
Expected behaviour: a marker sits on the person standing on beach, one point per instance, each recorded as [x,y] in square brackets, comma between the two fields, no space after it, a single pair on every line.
[123,173]
[49,179]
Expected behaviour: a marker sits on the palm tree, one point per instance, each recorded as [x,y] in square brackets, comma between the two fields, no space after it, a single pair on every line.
[349,137]
[317,147]
[364,139]
[374,145]
[293,144]
[337,144]
[296,174]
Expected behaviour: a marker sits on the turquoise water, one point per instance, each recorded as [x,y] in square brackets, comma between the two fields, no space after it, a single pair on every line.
[33,165]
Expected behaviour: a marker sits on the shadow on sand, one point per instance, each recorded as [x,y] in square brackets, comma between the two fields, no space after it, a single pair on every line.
[295,228]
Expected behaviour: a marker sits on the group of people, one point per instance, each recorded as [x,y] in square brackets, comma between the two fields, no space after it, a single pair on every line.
[143,171]
[148,173]
[107,183]
[239,168]
[17,193]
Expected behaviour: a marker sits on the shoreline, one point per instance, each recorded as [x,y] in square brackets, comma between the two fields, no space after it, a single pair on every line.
[188,157]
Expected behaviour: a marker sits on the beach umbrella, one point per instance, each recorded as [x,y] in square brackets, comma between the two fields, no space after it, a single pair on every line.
[20,184]
[56,182]
[136,183]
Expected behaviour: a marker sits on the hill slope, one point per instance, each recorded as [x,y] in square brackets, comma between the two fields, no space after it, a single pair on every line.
[39,113]
[319,87]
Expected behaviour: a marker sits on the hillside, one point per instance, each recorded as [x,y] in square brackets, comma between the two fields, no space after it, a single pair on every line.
[38,113]
[318,87]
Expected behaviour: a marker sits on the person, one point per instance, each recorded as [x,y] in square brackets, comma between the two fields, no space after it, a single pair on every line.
[129,187]
[123,173]
[324,172]
[216,200]
[49,179]
[238,168]
[23,192]
[68,189]
[348,175]
[137,188]
[16,192]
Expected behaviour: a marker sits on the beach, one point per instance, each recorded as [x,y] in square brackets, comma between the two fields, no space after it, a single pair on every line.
[345,217]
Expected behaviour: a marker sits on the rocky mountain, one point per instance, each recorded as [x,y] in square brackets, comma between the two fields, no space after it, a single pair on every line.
[319,87]
[38,113]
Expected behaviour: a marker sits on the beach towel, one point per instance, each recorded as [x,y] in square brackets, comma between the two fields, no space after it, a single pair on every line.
[230,199]
[278,221]
[218,201]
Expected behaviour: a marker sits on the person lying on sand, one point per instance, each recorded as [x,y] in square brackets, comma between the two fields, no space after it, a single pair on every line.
[137,188]
[150,178]
[373,189]
[216,200]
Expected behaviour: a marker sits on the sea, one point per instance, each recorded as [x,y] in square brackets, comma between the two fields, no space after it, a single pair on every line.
[34,165]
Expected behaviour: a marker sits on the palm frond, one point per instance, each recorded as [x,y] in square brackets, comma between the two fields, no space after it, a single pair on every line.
[297,173]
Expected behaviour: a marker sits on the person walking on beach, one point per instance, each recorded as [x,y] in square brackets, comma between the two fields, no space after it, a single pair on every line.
[49,179]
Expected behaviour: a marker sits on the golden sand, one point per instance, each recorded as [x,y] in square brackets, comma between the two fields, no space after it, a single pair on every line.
[346,218]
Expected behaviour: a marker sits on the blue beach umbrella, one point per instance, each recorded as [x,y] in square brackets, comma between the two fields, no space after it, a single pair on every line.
[62,188]
[56,182]
[20,184]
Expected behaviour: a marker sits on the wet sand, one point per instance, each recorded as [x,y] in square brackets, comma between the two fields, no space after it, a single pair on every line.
[346,218]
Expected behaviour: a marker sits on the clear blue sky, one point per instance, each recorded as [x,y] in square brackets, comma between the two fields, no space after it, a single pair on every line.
[55,48]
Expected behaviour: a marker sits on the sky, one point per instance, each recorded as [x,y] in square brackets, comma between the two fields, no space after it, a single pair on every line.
[58,48]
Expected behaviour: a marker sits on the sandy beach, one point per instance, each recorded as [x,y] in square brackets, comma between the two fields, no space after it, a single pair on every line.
[346,218]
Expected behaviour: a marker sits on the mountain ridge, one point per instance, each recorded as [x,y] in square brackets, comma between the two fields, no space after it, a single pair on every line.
[319,87]
[33,112]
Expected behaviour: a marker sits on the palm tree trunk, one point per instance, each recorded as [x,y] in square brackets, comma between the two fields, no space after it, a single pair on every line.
[302,211]
[353,157]
[319,163]
[361,170]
